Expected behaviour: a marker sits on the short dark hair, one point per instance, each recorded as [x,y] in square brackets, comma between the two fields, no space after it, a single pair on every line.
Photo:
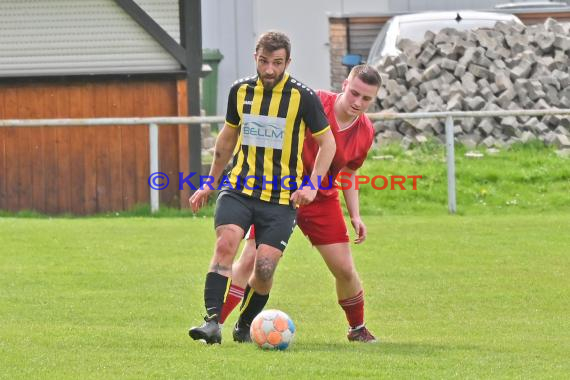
[367,74]
[272,41]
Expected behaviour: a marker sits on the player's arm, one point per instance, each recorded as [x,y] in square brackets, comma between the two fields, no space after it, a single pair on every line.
[316,120]
[225,144]
[223,150]
[325,155]
[352,201]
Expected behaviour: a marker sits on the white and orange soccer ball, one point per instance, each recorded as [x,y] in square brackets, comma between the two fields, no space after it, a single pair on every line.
[272,330]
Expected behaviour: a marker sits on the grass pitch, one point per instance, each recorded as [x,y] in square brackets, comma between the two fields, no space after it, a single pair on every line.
[449,297]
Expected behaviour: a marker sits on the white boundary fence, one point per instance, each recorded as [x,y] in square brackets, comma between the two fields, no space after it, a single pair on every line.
[154,122]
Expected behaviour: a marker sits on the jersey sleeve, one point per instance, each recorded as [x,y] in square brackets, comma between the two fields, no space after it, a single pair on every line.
[232,115]
[365,141]
[314,114]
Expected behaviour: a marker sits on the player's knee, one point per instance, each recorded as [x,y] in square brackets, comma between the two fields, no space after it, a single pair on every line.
[346,274]
[225,248]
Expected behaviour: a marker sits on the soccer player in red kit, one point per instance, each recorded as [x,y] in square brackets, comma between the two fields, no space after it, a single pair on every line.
[322,220]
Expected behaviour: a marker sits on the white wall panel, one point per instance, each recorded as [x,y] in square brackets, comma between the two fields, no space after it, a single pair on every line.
[62,37]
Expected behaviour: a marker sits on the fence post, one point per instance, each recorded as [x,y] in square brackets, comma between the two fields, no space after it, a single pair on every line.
[153,144]
[450,150]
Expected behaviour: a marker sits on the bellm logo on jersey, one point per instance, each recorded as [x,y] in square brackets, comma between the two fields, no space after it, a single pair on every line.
[263,131]
[260,130]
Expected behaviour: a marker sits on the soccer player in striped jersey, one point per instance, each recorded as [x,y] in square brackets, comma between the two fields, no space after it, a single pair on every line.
[267,119]
[322,220]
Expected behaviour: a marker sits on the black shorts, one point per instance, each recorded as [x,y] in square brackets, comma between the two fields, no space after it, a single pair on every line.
[274,223]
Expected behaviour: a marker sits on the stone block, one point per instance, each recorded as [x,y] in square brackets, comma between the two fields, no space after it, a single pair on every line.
[527,137]
[562,130]
[561,141]
[478,71]
[469,56]
[431,72]
[455,103]
[540,128]
[510,126]
[488,95]
[389,137]
[562,42]
[545,42]
[474,103]
[486,125]
[429,50]
[391,72]
[492,54]
[554,26]
[420,139]
[564,102]
[448,51]
[410,102]
[413,77]
[562,77]
[505,98]
[401,69]
[489,142]
[460,70]
[484,61]
[535,91]
[522,70]
[552,96]
[541,104]
[467,124]
[503,81]
[548,138]
[549,81]
[551,120]
[448,64]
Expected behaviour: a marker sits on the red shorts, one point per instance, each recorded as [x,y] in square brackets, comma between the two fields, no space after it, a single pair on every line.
[321,221]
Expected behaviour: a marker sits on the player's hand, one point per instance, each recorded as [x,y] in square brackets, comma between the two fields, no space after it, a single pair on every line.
[303,196]
[199,199]
[360,229]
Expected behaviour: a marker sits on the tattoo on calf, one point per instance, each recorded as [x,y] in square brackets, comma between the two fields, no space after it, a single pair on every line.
[264,268]
[217,268]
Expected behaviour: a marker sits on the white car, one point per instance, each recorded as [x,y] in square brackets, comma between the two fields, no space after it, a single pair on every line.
[518,5]
[413,26]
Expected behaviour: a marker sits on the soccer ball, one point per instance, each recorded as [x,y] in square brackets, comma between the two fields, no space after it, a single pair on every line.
[272,330]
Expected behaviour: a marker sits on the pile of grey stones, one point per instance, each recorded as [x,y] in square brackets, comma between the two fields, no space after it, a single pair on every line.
[508,67]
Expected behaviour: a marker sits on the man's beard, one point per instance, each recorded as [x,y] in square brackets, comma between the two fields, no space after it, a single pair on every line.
[274,81]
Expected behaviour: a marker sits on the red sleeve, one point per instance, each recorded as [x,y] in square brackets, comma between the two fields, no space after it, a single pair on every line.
[365,139]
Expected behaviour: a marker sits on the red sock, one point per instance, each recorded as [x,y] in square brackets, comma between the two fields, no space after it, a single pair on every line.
[232,300]
[354,309]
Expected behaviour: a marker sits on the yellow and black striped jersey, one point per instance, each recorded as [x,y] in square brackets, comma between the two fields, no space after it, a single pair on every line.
[267,159]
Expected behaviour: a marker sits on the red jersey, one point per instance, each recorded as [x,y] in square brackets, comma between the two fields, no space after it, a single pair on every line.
[352,144]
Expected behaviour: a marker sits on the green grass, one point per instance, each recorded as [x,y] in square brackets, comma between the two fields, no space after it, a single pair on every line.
[466,297]
[526,178]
